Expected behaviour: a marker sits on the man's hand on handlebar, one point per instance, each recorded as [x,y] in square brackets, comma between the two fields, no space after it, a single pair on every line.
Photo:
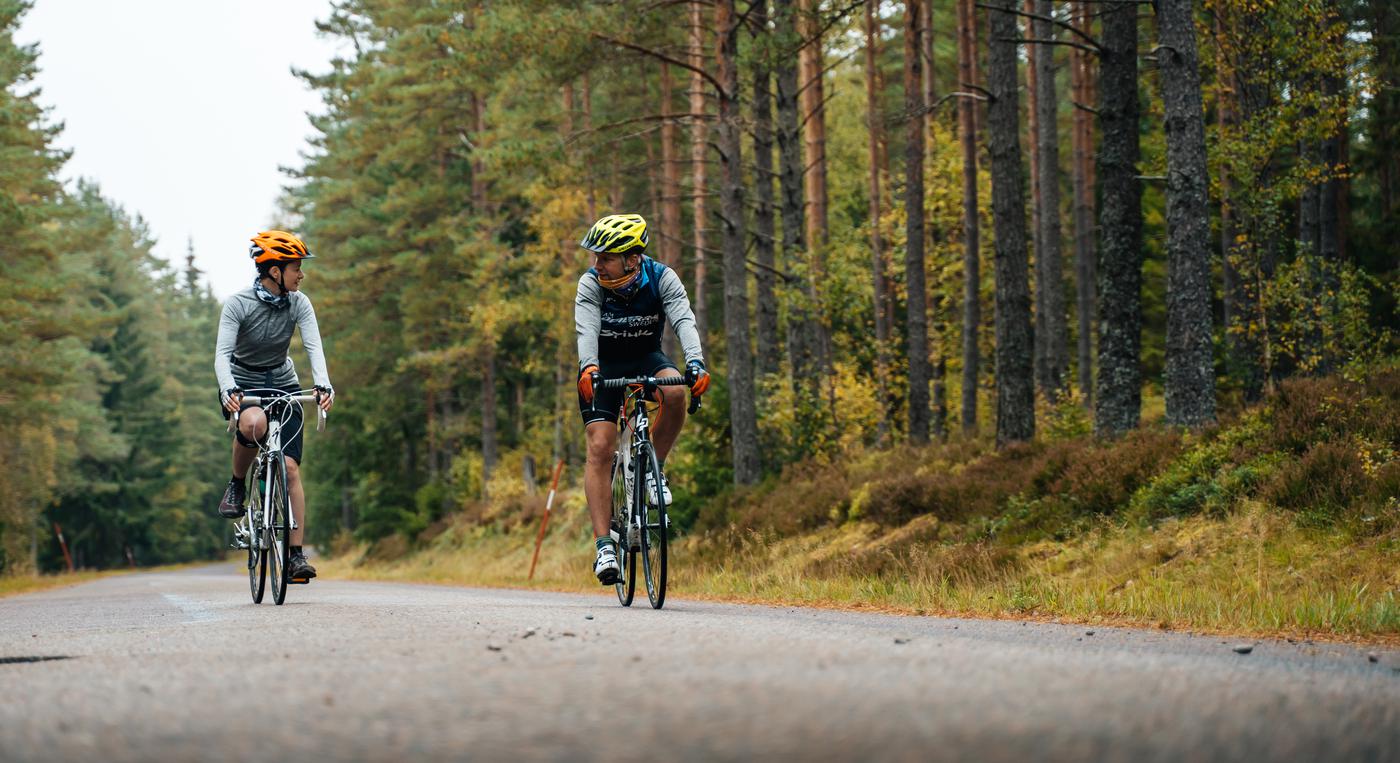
[325,397]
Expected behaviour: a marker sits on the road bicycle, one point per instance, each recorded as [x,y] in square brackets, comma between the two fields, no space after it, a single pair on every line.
[639,524]
[267,523]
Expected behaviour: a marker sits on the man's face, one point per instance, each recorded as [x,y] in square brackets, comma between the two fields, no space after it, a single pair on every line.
[291,274]
[613,266]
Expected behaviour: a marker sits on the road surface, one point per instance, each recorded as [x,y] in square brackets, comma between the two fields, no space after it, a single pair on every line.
[181,665]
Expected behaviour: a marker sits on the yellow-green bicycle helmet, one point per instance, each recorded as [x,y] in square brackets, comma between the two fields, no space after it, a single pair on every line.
[617,234]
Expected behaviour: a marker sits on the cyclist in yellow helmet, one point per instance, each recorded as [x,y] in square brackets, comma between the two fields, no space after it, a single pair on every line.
[619,312]
[255,330]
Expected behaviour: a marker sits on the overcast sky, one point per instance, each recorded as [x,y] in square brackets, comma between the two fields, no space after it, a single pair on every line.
[182,111]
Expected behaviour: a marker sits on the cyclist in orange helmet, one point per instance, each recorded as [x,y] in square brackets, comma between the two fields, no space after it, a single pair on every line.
[255,331]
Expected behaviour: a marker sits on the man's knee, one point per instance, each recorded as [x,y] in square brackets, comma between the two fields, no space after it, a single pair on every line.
[600,443]
[673,397]
[293,469]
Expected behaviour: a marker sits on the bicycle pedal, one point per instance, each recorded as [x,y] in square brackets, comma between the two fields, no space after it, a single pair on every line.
[299,581]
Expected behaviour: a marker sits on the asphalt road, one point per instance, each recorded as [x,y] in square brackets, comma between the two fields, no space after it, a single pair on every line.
[182,666]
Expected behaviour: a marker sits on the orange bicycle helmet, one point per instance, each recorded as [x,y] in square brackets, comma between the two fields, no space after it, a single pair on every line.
[276,245]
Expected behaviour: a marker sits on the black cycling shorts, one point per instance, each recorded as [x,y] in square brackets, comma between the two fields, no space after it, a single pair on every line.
[606,402]
[291,447]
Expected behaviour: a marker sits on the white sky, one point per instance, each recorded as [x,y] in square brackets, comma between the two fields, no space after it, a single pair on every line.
[182,111]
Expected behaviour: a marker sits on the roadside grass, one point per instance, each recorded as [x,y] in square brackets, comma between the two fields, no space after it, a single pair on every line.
[1282,521]
[12,585]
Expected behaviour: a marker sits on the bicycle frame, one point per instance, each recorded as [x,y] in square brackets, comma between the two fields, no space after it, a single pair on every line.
[251,531]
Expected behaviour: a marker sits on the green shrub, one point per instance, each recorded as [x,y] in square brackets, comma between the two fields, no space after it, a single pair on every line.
[1321,486]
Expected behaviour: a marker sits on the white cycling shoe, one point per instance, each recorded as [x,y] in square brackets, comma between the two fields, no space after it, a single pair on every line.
[607,569]
[665,498]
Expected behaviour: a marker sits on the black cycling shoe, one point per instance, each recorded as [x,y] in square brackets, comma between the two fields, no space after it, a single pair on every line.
[231,507]
[300,569]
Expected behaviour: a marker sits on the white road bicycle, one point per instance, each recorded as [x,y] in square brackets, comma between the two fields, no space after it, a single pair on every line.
[266,526]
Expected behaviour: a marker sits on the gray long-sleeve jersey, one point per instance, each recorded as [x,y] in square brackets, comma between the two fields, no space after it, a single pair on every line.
[612,328]
[259,334]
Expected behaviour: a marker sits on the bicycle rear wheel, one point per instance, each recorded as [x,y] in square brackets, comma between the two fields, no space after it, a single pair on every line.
[278,548]
[654,526]
[257,552]
[621,502]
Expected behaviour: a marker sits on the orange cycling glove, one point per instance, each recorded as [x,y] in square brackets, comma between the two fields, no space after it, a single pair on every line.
[585,383]
[697,378]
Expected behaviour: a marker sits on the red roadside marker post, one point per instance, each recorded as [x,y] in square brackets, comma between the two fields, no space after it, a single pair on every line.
[544,520]
[63,545]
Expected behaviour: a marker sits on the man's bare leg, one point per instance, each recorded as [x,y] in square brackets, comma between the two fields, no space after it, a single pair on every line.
[597,474]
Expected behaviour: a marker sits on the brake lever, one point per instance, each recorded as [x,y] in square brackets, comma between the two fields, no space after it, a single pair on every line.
[694,405]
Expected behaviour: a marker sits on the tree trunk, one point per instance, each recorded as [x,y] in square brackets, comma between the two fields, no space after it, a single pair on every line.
[1015,343]
[1238,300]
[875,127]
[743,419]
[764,232]
[790,177]
[668,236]
[938,307]
[488,420]
[1082,138]
[699,138]
[972,278]
[1190,369]
[1118,399]
[916,320]
[813,96]
[586,94]
[1052,333]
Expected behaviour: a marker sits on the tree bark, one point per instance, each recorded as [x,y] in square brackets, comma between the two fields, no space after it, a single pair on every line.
[670,176]
[1052,333]
[1190,369]
[1014,335]
[938,303]
[916,316]
[489,448]
[1118,399]
[790,177]
[813,99]
[586,95]
[699,138]
[765,292]
[1082,139]
[972,279]
[743,419]
[874,126]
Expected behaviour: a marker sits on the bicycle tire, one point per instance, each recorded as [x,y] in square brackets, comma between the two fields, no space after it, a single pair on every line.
[654,527]
[626,584]
[279,547]
[257,553]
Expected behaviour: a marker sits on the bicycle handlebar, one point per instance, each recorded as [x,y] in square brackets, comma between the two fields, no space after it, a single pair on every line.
[664,381]
[262,400]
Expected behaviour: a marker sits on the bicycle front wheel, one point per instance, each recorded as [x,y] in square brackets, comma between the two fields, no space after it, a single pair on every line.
[654,525]
[257,551]
[621,505]
[279,512]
